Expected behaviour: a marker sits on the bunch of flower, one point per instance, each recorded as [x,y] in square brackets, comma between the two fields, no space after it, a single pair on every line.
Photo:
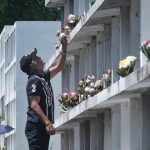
[145,47]
[106,79]
[68,100]
[60,34]
[92,2]
[3,148]
[71,22]
[126,66]
[89,87]
[86,87]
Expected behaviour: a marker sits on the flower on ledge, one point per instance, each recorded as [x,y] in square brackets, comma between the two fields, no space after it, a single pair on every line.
[71,21]
[68,100]
[126,66]
[145,48]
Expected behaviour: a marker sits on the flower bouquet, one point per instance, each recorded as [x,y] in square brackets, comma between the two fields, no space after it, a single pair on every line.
[126,66]
[106,79]
[60,34]
[145,47]
[68,100]
[71,21]
[86,87]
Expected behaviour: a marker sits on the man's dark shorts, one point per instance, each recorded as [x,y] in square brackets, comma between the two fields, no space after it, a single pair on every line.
[38,139]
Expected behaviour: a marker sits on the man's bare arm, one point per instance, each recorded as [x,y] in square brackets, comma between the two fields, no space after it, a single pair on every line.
[37,109]
[59,62]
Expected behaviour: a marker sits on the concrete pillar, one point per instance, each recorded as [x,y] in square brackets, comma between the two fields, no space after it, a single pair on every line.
[81,63]
[76,70]
[71,139]
[146,121]
[136,123]
[77,137]
[87,134]
[93,134]
[135,29]
[87,61]
[81,7]
[76,7]
[87,5]
[93,55]
[100,131]
[66,77]
[144,24]
[72,76]
[100,54]
[107,52]
[65,140]
[66,9]
[116,121]
[82,136]
[115,47]
[125,125]
[131,124]
[125,32]
[107,130]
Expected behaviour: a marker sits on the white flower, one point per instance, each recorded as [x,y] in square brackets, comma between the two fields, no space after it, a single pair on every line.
[92,77]
[91,90]
[71,21]
[81,82]
[88,81]
[105,76]
[81,96]
[87,89]
[92,84]
[72,17]
[131,58]
[65,94]
[98,83]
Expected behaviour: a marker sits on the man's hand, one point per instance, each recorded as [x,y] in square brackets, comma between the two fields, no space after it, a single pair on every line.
[50,129]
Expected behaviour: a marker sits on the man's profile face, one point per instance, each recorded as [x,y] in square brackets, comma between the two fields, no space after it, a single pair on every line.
[38,63]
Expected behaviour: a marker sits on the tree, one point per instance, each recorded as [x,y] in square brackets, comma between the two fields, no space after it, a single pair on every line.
[25,10]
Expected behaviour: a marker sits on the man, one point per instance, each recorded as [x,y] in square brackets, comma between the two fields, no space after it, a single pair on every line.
[40,114]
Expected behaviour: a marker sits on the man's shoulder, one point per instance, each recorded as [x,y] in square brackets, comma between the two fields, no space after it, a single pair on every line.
[33,78]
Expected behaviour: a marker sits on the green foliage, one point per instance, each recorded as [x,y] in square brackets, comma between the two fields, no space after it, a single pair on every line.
[25,10]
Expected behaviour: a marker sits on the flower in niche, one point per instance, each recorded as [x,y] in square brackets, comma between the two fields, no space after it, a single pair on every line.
[71,21]
[126,66]
[68,100]
[145,48]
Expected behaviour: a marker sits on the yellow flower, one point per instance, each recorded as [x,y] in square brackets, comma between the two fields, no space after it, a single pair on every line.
[124,63]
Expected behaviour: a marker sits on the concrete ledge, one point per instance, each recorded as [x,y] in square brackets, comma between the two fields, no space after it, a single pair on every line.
[83,25]
[135,83]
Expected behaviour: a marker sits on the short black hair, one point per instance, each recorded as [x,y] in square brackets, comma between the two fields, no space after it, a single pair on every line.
[26,61]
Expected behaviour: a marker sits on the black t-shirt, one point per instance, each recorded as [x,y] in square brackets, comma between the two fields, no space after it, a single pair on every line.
[39,85]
